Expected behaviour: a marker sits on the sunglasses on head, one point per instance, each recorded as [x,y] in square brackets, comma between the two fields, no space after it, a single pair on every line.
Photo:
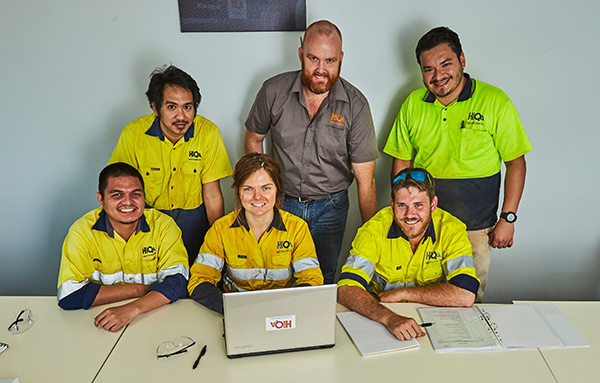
[417,175]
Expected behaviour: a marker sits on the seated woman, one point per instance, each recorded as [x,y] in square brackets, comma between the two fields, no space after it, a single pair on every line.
[257,247]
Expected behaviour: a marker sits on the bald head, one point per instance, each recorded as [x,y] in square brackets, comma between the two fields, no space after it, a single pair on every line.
[323,28]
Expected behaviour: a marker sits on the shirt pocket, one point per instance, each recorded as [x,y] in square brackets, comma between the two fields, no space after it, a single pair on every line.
[475,142]
[154,177]
[191,177]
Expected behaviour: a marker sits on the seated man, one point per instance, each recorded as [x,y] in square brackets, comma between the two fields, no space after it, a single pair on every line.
[120,251]
[410,251]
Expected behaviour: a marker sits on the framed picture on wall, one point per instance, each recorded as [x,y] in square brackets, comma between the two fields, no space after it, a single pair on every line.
[242,15]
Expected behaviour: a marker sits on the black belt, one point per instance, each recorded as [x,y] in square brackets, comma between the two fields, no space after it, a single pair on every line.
[302,199]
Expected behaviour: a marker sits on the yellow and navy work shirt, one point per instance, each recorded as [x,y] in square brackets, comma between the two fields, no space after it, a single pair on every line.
[173,173]
[94,254]
[284,256]
[381,258]
[462,145]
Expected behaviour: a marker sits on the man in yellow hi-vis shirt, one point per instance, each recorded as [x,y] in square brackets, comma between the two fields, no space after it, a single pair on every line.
[181,156]
[121,251]
[410,251]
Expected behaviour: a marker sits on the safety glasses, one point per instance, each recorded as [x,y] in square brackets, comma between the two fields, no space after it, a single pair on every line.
[416,174]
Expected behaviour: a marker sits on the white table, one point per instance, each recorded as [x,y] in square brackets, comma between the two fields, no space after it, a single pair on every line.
[577,364]
[134,359]
[62,346]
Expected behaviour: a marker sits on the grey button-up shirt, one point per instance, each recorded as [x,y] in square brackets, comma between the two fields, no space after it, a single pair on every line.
[316,155]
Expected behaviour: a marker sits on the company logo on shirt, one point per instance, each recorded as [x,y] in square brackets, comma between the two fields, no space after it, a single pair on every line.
[284,245]
[337,119]
[431,256]
[194,155]
[475,118]
[148,251]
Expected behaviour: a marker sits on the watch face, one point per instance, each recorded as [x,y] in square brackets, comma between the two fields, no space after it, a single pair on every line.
[510,217]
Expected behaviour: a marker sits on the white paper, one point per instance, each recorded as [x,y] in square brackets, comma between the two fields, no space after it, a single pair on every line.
[371,337]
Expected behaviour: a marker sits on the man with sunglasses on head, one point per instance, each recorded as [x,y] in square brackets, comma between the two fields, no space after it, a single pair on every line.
[121,251]
[410,251]
[461,130]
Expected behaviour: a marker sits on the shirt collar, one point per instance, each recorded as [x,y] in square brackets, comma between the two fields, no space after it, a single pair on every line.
[103,224]
[396,232]
[464,95]
[277,221]
[155,131]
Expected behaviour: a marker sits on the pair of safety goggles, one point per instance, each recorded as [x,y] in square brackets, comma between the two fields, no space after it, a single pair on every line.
[415,174]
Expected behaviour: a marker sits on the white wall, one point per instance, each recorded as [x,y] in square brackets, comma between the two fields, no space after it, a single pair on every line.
[73,73]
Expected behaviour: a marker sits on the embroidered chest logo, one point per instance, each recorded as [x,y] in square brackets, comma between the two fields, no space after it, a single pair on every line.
[148,251]
[337,119]
[432,256]
[194,155]
[284,246]
[475,118]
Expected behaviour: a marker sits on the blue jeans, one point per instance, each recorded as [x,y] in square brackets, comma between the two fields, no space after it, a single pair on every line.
[326,220]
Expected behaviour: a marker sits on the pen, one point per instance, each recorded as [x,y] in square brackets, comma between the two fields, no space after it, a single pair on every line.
[428,324]
[199,357]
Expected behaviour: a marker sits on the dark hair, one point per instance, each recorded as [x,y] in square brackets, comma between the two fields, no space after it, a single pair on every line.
[173,76]
[252,162]
[435,37]
[118,169]
[428,185]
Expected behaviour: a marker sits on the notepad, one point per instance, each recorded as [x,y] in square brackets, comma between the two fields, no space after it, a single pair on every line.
[371,337]
[493,327]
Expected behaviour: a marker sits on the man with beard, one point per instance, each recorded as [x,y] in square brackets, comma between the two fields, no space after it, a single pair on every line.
[410,251]
[180,154]
[322,135]
[461,130]
[121,251]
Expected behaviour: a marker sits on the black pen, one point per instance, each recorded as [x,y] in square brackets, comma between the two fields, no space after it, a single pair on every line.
[428,324]
[199,357]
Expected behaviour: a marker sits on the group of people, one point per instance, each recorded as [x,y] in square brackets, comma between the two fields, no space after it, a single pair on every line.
[161,231]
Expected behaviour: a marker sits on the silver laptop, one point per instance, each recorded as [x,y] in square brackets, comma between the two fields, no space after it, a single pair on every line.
[279,320]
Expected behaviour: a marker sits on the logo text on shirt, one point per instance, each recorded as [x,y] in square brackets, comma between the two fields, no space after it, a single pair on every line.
[337,119]
[148,251]
[194,155]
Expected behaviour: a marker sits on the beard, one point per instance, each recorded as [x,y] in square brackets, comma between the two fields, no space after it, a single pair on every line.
[413,231]
[319,88]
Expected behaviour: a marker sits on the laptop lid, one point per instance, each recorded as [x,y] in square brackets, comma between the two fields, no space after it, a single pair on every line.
[279,320]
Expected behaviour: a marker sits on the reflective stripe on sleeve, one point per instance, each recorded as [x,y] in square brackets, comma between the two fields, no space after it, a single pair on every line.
[360,263]
[120,277]
[385,286]
[305,264]
[69,287]
[210,260]
[173,270]
[260,274]
[456,263]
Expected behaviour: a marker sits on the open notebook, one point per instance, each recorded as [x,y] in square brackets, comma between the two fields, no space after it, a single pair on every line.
[492,327]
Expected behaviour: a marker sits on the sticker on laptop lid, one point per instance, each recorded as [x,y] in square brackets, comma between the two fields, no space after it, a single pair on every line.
[287,322]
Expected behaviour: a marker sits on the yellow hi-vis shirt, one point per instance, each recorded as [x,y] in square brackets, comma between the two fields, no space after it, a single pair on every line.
[381,257]
[173,174]
[466,139]
[285,255]
[94,254]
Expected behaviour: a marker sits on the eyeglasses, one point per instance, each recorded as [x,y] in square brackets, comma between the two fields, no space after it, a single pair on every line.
[24,321]
[3,347]
[417,175]
[174,347]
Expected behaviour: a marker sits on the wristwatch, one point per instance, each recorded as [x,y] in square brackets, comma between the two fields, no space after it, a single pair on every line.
[509,217]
